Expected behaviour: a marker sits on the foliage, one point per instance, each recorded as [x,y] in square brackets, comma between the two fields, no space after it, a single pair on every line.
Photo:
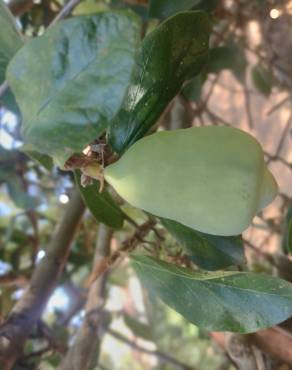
[81,92]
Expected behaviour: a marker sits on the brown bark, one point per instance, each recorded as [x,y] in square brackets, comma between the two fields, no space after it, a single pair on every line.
[28,310]
[85,349]
[19,7]
[274,341]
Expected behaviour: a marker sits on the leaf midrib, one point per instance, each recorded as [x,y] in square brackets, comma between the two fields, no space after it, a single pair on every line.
[183,276]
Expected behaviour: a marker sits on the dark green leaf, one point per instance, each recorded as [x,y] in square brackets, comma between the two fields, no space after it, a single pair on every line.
[261,3]
[9,176]
[9,102]
[138,328]
[192,90]
[207,251]
[10,42]
[208,5]
[54,360]
[233,301]
[101,205]
[226,57]
[287,240]
[18,195]
[41,158]
[166,8]
[10,39]
[10,233]
[174,52]
[77,74]
[262,79]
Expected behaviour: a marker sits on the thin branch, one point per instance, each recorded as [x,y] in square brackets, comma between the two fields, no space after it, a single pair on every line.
[278,105]
[216,118]
[211,90]
[66,10]
[105,263]
[162,356]
[28,310]
[83,354]
[268,257]
[248,106]
[282,138]
[277,158]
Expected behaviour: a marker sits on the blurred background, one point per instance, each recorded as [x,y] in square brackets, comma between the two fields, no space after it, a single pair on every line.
[247,85]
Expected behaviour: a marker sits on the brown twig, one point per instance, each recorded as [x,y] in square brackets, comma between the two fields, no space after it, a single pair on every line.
[27,311]
[66,10]
[83,354]
[258,251]
[278,105]
[282,138]
[275,341]
[248,105]
[162,356]
[277,158]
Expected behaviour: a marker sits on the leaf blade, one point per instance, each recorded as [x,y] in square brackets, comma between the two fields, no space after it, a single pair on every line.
[169,55]
[245,302]
[76,86]
[101,205]
[262,79]
[166,8]
[210,252]
[10,38]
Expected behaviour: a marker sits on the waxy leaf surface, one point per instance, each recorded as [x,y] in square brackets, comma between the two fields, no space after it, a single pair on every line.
[221,301]
[101,205]
[211,252]
[10,38]
[70,82]
[174,52]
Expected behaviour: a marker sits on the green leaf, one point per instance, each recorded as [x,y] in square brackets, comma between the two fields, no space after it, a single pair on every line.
[138,328]
[9,102]
[262,79]
[261,3]
[233,301]
[10,38]
[43,159]
[171,54]
[192,90]
[287,239]
[166,8]
[89,7]
[77,74]
[18,194]
[9,176]
[208,5]
[226,57]
[101,205]
[10,42]
[207,251]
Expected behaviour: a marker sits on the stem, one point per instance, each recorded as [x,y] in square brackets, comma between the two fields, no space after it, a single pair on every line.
[162,356]
[84,353]
[28,310]
[67,9]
